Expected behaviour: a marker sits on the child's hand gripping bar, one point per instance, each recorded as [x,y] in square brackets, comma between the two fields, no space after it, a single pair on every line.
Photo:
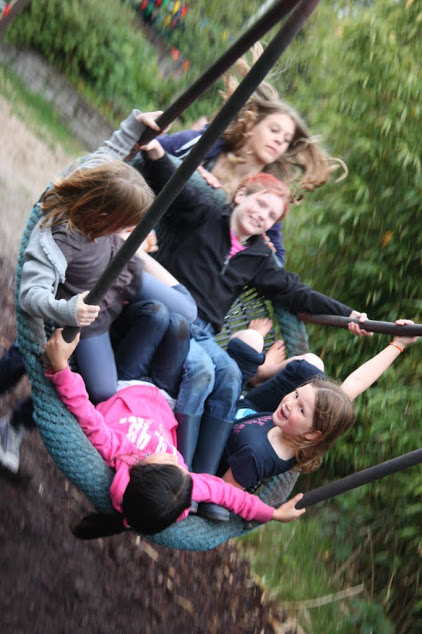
[382,327]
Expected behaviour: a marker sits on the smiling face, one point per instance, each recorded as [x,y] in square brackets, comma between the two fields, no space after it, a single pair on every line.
[254,214]
[295,414]
[270,138]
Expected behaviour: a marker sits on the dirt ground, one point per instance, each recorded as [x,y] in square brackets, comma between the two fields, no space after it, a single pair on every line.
[50,582]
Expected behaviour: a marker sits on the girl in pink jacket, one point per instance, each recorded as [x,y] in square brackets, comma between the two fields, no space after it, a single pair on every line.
[135,433]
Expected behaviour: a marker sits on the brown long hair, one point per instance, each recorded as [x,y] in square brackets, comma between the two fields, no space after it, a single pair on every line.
[98,201]
[334,415]
[305,166]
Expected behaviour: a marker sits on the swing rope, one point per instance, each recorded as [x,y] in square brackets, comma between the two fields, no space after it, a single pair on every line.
[360,478]
[64,439]
[175,184]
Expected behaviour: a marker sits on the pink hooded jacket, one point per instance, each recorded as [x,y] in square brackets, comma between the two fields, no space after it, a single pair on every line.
[137,422]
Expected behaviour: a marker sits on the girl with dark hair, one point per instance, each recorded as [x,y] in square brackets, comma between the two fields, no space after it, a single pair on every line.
[135,433]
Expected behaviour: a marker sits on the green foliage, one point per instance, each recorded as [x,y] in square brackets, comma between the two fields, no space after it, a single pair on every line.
[215,24]
[367,98]
[99,46]
[355,75]
[294,562]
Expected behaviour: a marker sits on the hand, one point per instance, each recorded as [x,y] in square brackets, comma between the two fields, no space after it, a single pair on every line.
[269,243]
[58,351]
[354,328]
[149,120]
[287,511]
[85,313]
[154,150]
[404,341]
[209,178]
[150,244]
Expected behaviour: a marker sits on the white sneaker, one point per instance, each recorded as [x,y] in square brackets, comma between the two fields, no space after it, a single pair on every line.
[10,440]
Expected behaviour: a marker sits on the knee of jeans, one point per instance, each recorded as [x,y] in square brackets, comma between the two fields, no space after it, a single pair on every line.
[229,373]
[159,310]
[313,359]
[154,310]
[179,327]
[199,375]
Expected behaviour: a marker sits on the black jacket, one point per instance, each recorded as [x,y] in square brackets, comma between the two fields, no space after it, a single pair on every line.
[199,257]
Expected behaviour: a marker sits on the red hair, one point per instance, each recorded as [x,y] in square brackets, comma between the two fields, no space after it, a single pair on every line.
[267,182]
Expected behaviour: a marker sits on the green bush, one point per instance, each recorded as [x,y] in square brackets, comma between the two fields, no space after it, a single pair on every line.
[99,46]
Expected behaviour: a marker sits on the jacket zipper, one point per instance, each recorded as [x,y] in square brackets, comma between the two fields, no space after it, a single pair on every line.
[225,265]
[227,260]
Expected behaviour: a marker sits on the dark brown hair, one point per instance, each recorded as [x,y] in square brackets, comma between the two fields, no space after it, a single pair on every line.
[156,496]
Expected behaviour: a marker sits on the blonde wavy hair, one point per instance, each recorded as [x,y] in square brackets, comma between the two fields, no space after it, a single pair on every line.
[304,167]
[333,416]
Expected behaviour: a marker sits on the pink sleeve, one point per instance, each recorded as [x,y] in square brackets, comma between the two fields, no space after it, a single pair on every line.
[71,389]
[208,488]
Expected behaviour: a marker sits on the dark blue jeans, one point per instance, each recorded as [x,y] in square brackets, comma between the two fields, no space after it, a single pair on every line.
[155,344]
[148,341]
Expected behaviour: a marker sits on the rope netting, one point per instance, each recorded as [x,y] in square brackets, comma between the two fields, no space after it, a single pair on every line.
[60,432]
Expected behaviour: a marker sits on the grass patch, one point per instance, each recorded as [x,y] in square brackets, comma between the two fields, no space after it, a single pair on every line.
[295,563]
[34,110]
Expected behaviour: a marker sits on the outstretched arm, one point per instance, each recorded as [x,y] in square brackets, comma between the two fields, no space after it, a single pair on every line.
[369,372]
[71,390]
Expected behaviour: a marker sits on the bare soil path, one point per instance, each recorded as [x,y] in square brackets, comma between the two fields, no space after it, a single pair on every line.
[50,582]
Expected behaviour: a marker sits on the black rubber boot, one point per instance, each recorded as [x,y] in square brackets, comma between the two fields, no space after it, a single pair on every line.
[212,440]
[187,438]
[187,435]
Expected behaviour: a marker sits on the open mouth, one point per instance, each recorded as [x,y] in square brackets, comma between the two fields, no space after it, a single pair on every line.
[281,413]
